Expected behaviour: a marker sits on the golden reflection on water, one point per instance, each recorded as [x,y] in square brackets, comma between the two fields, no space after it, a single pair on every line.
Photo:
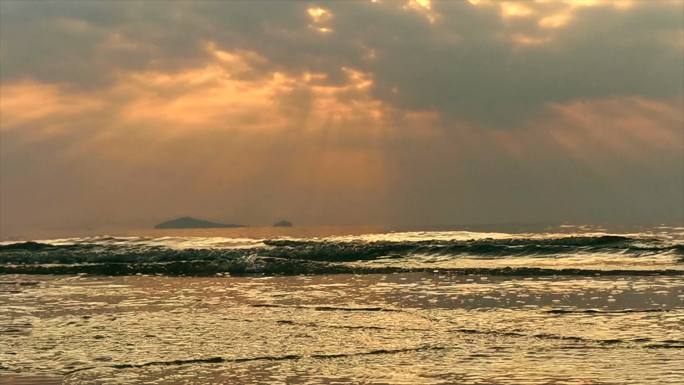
[400,328]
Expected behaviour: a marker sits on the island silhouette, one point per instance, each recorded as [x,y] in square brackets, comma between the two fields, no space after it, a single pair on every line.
[192,223]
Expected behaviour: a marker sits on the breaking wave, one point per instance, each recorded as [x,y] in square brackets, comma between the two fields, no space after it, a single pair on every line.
[360,255]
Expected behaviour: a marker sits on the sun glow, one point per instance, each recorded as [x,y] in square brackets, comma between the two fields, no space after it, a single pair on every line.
[30,102]
[509,10]
[423,7]
[319,17]
[549,18]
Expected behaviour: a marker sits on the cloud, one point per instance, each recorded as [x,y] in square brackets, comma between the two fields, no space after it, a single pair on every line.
[475,64]
[340,112]
[43,105]
[203,140]
[494,63]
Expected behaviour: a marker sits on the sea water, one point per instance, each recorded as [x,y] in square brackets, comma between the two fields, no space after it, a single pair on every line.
[570,305]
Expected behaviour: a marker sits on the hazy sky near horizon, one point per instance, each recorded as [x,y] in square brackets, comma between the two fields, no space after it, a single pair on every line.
[341,112]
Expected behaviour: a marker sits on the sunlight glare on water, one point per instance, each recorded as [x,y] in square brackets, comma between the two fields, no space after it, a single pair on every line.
[553,307]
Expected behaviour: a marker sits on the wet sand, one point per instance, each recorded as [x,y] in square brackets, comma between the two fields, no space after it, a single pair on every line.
[398,328]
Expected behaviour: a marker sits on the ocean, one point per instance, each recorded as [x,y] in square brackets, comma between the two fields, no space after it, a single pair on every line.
[543,305]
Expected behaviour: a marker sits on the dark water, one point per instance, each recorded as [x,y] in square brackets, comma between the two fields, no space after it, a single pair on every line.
[572,306]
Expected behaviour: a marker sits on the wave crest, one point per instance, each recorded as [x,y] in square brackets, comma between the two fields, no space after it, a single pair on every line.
[300,256]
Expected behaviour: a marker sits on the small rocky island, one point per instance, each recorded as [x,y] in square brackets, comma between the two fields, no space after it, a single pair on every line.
[192,223]
[283,223]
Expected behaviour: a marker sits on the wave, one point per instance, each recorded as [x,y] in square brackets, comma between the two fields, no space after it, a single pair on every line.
[279,266]
[486,248]
[340,251]
[600,311]
[34,246]
[126,256]
[328,308]
[584,343]
[324,356]
[285,357]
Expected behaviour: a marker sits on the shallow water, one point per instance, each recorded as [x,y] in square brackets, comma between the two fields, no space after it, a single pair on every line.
[398,328]
[421,308]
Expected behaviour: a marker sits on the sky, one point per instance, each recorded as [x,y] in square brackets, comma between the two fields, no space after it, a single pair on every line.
[341,112]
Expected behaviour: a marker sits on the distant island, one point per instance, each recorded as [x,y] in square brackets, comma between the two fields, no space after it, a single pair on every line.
[282,223]
[191,223]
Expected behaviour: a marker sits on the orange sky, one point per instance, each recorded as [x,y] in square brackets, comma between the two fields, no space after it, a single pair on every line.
[421,112]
